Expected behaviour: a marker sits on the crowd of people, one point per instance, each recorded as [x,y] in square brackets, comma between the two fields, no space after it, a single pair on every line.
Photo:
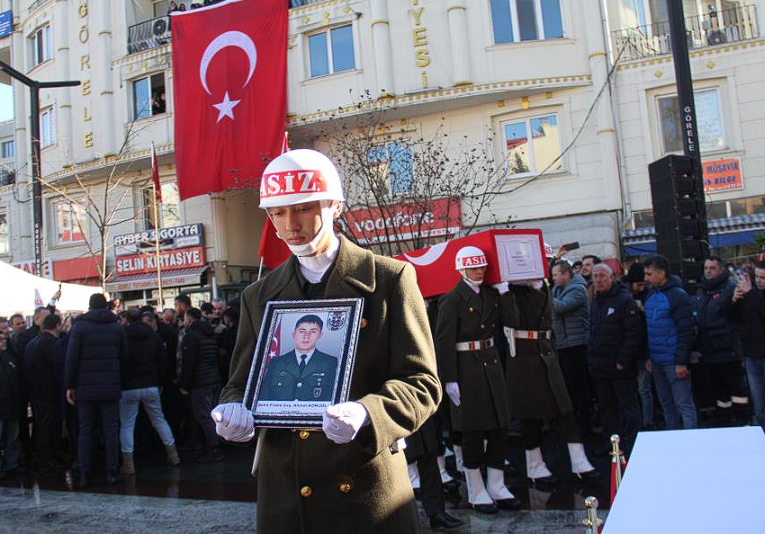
[86,375]
[644,334]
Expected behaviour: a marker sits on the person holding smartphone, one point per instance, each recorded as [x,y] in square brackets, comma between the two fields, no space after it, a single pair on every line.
[749,311]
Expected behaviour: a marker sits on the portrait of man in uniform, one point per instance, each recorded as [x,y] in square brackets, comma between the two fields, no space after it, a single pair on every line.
[304,373]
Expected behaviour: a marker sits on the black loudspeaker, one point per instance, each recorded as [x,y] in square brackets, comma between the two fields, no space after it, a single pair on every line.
[680,217]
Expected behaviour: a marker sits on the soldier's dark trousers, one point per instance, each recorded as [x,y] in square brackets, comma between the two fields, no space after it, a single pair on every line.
[433,500]
[619,409]
[473,453]
[531,431]
[573,363]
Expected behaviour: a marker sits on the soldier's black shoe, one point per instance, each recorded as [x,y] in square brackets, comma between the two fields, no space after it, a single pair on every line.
[546,482]
[452,485]
[213,455]
[508,504]
[589,477]
[485,508]
[442,520]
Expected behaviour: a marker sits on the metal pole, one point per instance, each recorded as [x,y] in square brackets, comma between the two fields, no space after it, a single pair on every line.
[686,102]
[34,98]
[34,117]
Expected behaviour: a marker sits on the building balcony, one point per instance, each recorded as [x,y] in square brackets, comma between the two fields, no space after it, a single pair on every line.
[148,34]
[713,28]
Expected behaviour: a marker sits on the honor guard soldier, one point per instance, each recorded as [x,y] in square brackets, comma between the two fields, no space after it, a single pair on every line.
[349,475]
[470,368]
[535,385]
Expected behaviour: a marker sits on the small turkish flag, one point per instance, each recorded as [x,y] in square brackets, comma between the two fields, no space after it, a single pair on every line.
[276,340]
[155,175]
[230,93]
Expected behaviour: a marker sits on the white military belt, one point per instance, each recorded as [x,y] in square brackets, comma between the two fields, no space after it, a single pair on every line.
[464,346]
[532,334]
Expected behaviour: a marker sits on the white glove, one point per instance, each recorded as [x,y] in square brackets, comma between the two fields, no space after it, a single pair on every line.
[502,287]
[233,422]
[341,422]
[453,390]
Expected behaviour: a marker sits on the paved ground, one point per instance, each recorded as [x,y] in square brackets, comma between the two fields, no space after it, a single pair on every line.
[219,498]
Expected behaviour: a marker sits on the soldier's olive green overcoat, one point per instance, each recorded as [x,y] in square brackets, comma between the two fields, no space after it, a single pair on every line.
[535,385]
[464,315]
[308,484]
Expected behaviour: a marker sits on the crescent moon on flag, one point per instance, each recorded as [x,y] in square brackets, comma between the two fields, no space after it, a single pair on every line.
[232,38]
[429,257]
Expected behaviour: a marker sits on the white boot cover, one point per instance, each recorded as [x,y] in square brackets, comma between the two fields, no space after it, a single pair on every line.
[579,461]
[495,486]
[414,476]
[477,493]
[445,476]
[535,465]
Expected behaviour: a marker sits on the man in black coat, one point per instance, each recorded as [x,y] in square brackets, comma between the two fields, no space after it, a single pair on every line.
[44,391]
[200,378]
[719,342]
[616,337]
[141,377]
[9,409]
[97,347]
[17,350]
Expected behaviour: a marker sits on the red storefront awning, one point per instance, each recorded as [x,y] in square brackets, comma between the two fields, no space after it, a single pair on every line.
[174,278]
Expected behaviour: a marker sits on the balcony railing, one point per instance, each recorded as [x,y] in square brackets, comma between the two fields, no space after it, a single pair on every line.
[148,34]
[714,28]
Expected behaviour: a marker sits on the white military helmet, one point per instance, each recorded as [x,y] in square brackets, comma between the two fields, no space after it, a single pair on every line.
[299,176]
[470,257]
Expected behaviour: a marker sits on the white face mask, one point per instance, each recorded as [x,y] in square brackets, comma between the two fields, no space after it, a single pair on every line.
[327,224]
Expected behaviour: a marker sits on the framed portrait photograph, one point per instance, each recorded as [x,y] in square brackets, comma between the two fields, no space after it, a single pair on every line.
[303,360]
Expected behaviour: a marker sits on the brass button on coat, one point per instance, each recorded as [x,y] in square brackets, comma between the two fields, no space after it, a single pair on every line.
[483,326]
[306,491]
[470,308]
[303,434]
[345,487]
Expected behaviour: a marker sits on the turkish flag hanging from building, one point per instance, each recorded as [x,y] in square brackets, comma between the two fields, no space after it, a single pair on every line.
[229,92]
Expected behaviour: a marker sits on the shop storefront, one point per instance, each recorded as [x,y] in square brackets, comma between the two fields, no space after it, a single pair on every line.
[181,259]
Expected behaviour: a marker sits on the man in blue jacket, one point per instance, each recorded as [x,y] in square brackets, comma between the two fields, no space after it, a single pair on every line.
[669,320]
[97,347]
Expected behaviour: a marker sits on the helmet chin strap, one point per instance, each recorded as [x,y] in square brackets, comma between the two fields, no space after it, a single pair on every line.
[310,248]
[475,286]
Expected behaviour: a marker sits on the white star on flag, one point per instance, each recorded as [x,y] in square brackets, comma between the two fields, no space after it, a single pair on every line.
[226,108]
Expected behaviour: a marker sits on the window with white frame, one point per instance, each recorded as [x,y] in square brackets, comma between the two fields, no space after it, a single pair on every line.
[69,220]
[532,144]
[4,239]
[331,51]
[526,20]
[169,210]
[7,149]
[708,117]
[47,127]
[392,167]
[41,45]
[149,96]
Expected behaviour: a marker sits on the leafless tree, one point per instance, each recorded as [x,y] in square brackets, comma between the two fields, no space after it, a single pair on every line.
[401,183]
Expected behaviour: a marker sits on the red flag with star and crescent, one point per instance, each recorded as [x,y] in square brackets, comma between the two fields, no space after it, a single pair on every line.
[229,93]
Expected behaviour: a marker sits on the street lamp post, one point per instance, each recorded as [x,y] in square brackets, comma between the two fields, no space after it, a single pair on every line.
[34,99]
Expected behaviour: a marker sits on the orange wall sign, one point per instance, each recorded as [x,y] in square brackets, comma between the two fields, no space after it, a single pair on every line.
[722,175]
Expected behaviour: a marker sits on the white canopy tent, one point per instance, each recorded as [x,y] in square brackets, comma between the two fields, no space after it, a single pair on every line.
[22,292]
